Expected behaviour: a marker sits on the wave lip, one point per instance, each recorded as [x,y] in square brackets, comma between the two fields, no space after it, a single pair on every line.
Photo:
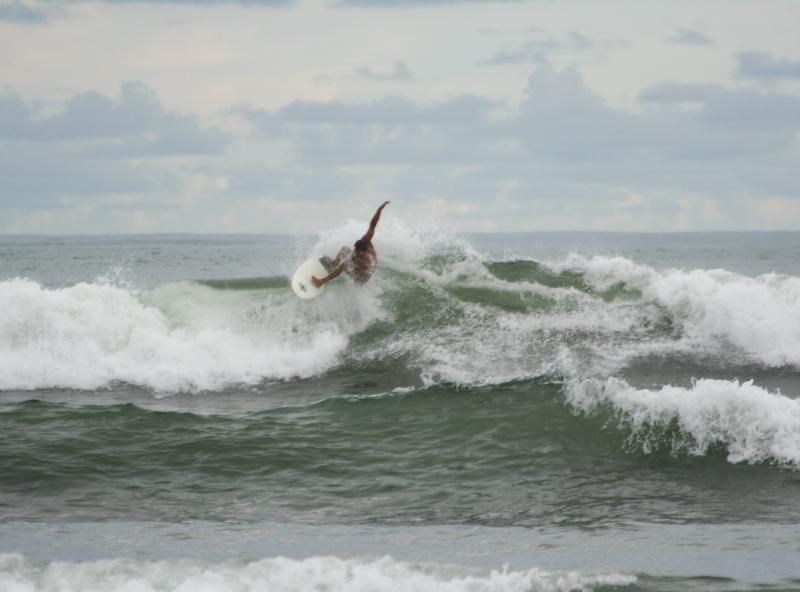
[759,316]
[751,423]
[286,575]
[177,337]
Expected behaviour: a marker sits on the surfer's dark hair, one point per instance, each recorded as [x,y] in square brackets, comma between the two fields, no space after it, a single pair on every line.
[361,245]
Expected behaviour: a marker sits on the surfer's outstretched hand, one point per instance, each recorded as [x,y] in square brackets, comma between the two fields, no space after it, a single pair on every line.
[316,281]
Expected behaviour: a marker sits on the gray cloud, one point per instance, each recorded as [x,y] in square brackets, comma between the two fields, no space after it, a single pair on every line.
[399,73]
[578,41]
[562,119]
[759,65]
[564,142]
[535,51]
[133,125]
[387,111]
[35,175]
[728,109]
[17,12]
[564,145]
[410,3]
[39,11]
[691,37]
[389,131]
[262,3]
[96,146]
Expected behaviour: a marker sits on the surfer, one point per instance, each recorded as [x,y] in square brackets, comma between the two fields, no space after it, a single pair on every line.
[358,263]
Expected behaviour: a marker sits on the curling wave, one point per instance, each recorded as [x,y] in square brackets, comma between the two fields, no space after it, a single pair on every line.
[748,422]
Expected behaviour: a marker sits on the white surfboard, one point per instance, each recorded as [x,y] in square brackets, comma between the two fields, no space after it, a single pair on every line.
[301,280]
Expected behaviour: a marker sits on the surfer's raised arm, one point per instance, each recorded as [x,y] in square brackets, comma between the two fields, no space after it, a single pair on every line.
[373,223]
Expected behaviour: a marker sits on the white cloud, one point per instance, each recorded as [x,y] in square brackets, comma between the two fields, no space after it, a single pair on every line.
[240,111]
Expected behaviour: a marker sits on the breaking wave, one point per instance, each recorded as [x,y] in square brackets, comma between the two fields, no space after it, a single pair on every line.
[748,422]
[435,306]
[286,575]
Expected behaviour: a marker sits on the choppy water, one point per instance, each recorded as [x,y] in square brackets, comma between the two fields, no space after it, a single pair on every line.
[491,412]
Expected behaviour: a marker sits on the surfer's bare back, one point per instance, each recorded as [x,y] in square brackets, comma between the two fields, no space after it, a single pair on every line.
[359,262]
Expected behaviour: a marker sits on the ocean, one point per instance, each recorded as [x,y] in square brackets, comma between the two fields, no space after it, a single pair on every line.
[491,412]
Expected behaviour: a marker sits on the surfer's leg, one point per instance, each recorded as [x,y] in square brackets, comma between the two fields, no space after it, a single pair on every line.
[327,263]
[344,253]
[330,264]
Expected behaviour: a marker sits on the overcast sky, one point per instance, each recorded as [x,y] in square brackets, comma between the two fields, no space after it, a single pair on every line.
[124,116]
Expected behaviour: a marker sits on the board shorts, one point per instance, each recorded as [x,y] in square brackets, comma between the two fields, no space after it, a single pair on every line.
[331,264]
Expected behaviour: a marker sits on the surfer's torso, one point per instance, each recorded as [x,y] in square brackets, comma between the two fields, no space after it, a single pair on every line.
[362,264]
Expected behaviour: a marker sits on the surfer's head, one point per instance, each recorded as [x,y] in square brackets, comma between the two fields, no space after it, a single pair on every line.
[361,245]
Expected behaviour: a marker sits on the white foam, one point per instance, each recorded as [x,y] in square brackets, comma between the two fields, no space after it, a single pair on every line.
[185,336]
[715,309]
[178,337]
[753,424]
[283,575]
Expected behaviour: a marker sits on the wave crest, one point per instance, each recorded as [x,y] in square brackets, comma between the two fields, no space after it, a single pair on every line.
[177,337]
[288,575]
[752,424]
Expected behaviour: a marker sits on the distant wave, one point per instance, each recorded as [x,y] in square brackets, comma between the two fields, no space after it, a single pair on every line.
[287,575]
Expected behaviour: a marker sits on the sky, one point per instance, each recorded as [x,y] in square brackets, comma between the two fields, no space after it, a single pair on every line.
[261,116]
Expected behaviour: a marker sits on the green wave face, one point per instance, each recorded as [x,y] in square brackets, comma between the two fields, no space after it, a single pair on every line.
[514,455]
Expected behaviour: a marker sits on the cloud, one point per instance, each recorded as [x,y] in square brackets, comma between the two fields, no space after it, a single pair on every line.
[564,142]
[578,41]
[387,131]
[731,110]
[261,3]
[416,3]
[34,175]
[95,147]
[398,73]
[388,111]
[562,153]
[535,51]
[133,125]
[759,65]
[33,11]
[691,37]
[562,119]
[19,12]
